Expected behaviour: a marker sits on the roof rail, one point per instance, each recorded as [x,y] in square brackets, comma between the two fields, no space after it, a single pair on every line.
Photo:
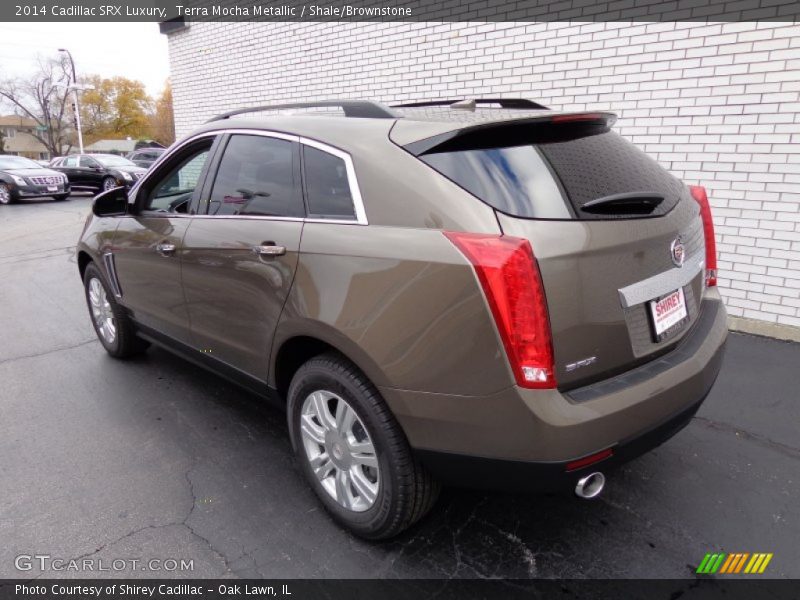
[352,108]
[518,103]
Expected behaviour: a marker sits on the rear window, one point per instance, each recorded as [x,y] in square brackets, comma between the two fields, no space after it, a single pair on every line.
[556,178]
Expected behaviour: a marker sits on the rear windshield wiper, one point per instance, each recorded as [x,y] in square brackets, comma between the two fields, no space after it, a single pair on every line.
[629,203]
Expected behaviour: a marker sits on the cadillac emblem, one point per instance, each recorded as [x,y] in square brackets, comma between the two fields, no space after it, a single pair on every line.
[678,252]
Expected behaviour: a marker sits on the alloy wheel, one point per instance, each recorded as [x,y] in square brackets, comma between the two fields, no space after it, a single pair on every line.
[101,311]
[339,450]
[5,194]
[109,184]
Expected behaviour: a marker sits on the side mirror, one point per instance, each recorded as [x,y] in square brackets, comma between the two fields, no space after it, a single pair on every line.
[113,203]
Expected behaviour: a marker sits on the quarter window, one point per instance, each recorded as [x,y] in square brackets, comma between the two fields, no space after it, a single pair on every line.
[327,186]
[256,176]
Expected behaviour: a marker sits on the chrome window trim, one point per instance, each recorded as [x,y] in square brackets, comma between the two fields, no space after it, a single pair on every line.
[352,180]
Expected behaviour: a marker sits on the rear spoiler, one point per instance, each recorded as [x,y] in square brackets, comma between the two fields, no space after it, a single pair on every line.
[516,132]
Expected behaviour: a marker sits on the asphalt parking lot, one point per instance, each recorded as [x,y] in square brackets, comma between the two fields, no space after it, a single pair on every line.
[154,458]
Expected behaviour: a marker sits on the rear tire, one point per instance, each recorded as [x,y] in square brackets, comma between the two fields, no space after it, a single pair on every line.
[111,323]
[374,503]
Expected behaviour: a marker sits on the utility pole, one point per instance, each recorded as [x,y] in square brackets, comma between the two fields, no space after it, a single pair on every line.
[75,89]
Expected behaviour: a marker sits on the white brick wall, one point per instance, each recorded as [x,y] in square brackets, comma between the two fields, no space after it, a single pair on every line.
[717,104]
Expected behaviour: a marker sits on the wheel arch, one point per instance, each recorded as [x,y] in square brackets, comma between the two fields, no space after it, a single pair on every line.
[292,350]
[84,258]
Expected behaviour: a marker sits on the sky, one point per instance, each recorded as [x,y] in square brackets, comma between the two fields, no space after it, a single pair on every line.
[132,50]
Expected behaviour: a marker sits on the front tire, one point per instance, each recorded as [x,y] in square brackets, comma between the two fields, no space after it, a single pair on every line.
[353,452]
[109,183]
[112,325]
[60,197]
[5,194]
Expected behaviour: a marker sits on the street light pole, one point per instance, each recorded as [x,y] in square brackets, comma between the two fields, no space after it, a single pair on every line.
[77,107]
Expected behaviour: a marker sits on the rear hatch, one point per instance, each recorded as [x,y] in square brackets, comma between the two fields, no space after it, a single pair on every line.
[618,240]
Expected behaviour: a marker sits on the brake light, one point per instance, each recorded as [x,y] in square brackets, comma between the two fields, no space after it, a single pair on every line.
[699,194]
[510,278]
[576,117]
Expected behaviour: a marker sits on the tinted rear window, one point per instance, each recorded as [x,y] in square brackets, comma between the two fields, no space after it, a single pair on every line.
[554,179]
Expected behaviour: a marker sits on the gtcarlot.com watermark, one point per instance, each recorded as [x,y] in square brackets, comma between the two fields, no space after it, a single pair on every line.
[46,562]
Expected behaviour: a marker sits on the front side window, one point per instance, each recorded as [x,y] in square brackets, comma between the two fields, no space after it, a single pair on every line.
[173,191]
[70,161]
[327,186]
[88,162]
[256,176]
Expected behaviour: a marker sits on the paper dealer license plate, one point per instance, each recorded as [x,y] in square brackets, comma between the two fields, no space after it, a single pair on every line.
[52,188]
[667,312]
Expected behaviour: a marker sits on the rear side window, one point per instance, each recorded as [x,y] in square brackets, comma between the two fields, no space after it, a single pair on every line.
[256,177]
[327,186]
[554,179]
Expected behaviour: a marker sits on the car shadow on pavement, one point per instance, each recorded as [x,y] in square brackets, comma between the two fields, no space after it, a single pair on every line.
[251,502]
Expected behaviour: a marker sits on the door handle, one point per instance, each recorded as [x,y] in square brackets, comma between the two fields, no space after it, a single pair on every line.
[269,249]
[165,249]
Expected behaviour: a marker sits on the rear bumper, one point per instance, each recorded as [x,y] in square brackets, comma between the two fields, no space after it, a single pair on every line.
[520,476]
[523,439]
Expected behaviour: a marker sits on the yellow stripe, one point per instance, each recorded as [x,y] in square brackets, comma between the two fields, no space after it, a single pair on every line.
[729,560]
[758,563]
[749,566]
[765,563]
[741,562]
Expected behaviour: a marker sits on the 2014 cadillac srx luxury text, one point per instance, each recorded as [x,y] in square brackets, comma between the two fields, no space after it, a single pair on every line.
[482,293]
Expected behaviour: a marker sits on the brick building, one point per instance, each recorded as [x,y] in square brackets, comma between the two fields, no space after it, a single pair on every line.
[717,104]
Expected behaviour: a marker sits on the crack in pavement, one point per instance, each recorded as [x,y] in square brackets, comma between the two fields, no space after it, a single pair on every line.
[180,523]
[784,449]
[51,351]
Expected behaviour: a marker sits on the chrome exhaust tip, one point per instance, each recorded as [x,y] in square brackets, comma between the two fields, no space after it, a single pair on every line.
[590,486]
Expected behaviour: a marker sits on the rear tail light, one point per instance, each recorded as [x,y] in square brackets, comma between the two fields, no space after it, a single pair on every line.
[699,194]
[510,279]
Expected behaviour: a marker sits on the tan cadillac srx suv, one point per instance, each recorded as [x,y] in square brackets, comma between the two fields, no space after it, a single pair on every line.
[482,293]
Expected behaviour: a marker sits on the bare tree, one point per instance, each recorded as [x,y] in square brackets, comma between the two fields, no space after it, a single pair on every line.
[44,98]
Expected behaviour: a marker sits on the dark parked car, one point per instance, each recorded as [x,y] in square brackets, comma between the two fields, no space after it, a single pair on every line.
[98,172]
[23,178]
[510,298]
[145,157]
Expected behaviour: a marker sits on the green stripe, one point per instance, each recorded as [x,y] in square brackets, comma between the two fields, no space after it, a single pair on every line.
[718,564]
[702,567]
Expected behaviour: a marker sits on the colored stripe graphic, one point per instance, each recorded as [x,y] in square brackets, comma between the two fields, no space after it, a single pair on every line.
[722,563]
[764,564]
[741,562]
[727,564]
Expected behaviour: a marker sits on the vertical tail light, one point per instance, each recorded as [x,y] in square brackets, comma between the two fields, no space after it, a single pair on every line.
[510,278]
[699,194]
